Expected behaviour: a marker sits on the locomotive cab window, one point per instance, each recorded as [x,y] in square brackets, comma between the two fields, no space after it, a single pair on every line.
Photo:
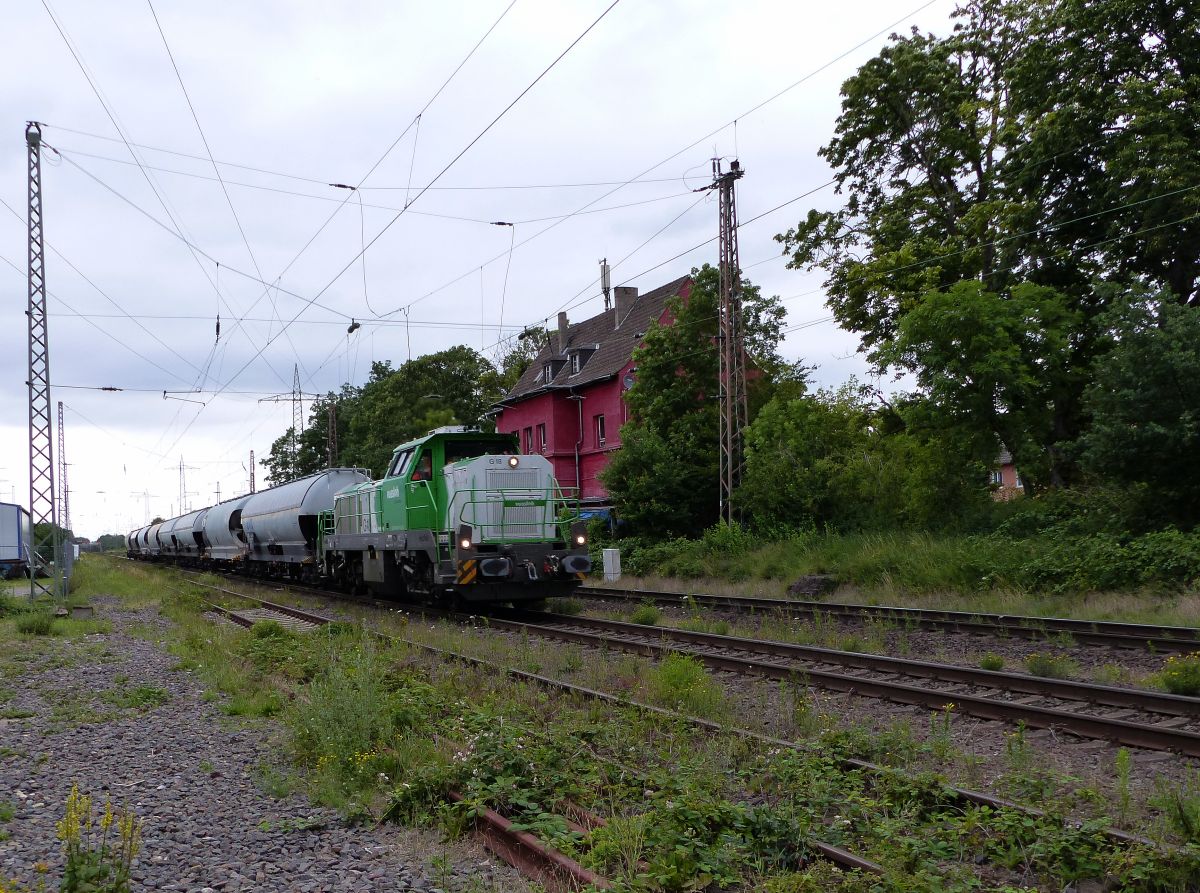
[423,470]
[398,463]
[457,450]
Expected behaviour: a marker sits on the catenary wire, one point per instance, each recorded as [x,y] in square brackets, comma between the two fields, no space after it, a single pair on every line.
[424,189]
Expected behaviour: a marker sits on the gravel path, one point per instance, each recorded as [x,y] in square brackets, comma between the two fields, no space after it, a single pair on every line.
[191,775]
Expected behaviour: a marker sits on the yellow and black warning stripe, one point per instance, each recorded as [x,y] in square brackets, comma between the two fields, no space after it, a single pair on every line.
[468,570]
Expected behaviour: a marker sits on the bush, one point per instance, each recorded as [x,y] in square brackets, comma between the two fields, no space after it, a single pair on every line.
[682,683]
[993,662]
[646,615]
[568,606]
[36,624]
[1181,674]
[1115,561]
[1051,666]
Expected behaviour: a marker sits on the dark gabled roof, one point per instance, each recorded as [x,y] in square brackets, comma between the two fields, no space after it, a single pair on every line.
[616,344]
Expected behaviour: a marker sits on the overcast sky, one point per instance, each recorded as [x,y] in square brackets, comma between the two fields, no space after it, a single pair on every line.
[308,94]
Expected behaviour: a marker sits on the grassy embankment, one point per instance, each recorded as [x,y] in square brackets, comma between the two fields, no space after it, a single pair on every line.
[386,731]
[1148,578]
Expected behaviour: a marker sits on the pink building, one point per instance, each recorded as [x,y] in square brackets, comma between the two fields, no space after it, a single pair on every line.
[569,405]
[1006,481]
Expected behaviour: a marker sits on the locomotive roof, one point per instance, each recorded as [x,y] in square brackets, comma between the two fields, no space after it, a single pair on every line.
[460,434]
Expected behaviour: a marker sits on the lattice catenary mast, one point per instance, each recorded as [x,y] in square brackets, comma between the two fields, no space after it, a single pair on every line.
[64,488]
[42,508]
[731,340]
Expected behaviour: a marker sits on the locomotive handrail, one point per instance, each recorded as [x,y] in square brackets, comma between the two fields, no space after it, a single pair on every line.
[553,499]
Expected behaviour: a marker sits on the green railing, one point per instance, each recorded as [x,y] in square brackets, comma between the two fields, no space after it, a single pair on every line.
[498,515]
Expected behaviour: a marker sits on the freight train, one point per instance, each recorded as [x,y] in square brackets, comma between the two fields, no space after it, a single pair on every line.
[460,517]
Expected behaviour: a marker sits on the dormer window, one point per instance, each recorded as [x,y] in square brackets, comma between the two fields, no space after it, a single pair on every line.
[548,372]
[576,364]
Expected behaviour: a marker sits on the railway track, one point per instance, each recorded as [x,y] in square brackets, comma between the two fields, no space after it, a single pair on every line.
[522,849]
[831,853]
[1090,632]
[1134,717]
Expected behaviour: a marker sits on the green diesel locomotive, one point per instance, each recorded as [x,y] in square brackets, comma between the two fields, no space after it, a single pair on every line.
[460,517]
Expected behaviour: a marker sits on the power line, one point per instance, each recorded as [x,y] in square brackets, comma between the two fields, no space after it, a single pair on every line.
[176,227]
[425,189]
[97,327]
[427,324]
[639,177]
[325,181]
[208,151]
[105,295]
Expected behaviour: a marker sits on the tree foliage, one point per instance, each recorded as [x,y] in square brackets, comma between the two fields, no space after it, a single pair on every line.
[453,386]
[664,479]
[843,460]
[1145,401]
[1041,149]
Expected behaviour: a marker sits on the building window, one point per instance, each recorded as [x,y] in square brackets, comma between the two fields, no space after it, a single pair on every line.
[542,438]
[998,477]
[529,439]
[599,430]
[575,364]
[548,373]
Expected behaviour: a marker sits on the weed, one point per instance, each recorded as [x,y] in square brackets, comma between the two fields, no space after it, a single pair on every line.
[700,625]
[572,660]
[7,811]
[1181,674]
[1016,749]
[206,767]
[1050,666]
[681,682]
[98,850]
[568,606]
[646,615]
[273,781]
[1112,674]
[36,624]
[1180,805]
[144,697]
[993,662]
[941,733]
[1124,767]
[16,713]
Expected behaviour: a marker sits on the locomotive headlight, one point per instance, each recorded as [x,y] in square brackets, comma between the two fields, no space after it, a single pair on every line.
[580,539]
[466,544]
[465,535]
[512,461]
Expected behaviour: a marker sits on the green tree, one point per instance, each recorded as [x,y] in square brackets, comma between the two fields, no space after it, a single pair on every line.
[453,386]
[1043,144]
[1145,401]
[844,460]
[664,479]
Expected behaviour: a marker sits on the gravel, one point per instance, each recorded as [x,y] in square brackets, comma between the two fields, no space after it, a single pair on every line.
[193,777]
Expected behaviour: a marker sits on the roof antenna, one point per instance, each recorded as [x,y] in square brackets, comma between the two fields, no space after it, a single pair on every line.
[605,283]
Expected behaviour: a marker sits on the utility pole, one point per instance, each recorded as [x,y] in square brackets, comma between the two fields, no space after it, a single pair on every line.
[730,340]
[297,411]
[605,283]
[297,400]
[65,499]
[331,449]
[251,472]
[42,507]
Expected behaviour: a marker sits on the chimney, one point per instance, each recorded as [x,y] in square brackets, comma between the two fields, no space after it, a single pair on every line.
[562,331]
[625,295]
